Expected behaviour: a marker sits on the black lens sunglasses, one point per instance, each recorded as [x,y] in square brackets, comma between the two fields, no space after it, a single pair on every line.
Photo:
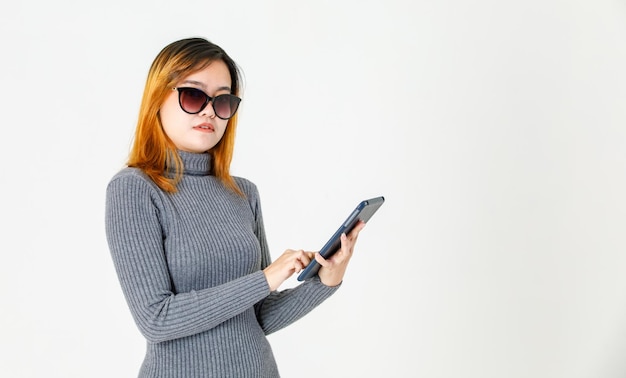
[193,101]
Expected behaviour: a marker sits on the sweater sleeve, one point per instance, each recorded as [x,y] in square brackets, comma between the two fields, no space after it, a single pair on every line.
[135,239]
[282,308]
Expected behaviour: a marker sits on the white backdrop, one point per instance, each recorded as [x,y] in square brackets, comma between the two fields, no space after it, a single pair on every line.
[495,129]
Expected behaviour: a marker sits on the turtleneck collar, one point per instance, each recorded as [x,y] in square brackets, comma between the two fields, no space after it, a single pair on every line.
[195,164]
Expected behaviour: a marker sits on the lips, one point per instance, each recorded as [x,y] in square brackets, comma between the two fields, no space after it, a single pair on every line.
[207,127]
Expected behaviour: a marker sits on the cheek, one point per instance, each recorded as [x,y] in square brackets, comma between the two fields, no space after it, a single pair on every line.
[223,126]
[169,117]
[166,122]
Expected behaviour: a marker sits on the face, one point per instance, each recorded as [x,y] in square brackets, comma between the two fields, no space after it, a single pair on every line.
[200,132]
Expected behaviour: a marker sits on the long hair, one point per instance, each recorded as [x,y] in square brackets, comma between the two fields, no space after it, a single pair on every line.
[153,151]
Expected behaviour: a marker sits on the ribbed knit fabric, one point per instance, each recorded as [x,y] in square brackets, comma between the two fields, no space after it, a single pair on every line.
[190,266]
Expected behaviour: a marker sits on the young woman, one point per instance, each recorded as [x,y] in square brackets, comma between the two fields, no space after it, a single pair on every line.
[187,238]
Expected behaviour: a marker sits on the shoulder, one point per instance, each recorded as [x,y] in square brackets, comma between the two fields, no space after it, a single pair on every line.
[251,193]
[128,174]
[128,178]
[247,187]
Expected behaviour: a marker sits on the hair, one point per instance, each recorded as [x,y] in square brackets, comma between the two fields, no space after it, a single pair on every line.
[153,151]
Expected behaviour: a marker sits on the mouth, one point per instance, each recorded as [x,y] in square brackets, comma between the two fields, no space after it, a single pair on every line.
[206,127]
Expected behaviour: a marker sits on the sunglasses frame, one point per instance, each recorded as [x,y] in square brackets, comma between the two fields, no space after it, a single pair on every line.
[207,99]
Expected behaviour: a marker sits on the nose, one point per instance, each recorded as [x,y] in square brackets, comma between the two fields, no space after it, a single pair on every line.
[208,110]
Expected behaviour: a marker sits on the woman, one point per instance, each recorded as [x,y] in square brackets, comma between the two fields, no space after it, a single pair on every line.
[187,238]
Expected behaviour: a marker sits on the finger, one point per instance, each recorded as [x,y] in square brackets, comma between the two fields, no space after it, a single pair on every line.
[346,244]
[320,260]
[303,257]
[307,259]
[345,251]
[304,260]
[355,231]
[344,241]
[301,254]
[298,266]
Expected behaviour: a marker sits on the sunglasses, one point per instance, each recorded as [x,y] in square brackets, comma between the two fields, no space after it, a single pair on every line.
[193,101]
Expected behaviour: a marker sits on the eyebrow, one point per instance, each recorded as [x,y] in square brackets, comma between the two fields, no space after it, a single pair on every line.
[201,85]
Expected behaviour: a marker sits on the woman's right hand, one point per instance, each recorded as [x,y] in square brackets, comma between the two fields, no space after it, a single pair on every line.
[290,262]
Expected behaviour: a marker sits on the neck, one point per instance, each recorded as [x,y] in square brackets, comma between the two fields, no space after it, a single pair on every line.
[195,164]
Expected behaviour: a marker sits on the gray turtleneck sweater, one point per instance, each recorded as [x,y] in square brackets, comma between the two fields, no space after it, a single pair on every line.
[190,266]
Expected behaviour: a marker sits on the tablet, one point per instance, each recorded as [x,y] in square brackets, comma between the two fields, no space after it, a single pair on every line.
[364,211]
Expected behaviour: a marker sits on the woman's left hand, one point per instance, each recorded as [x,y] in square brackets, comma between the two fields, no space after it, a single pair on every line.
[333,269]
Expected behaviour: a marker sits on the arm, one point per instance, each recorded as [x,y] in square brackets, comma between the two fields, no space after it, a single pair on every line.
[281,308]
[311,293]
[134,234]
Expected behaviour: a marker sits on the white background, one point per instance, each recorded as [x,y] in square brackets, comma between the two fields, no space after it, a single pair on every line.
[496,130]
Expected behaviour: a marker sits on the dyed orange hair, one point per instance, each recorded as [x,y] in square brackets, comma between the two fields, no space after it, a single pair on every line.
[153,151]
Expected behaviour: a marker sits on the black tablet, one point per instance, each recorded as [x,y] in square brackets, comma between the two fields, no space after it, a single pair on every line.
[364,212]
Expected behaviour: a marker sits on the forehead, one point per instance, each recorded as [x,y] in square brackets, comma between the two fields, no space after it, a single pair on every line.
[212,77]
